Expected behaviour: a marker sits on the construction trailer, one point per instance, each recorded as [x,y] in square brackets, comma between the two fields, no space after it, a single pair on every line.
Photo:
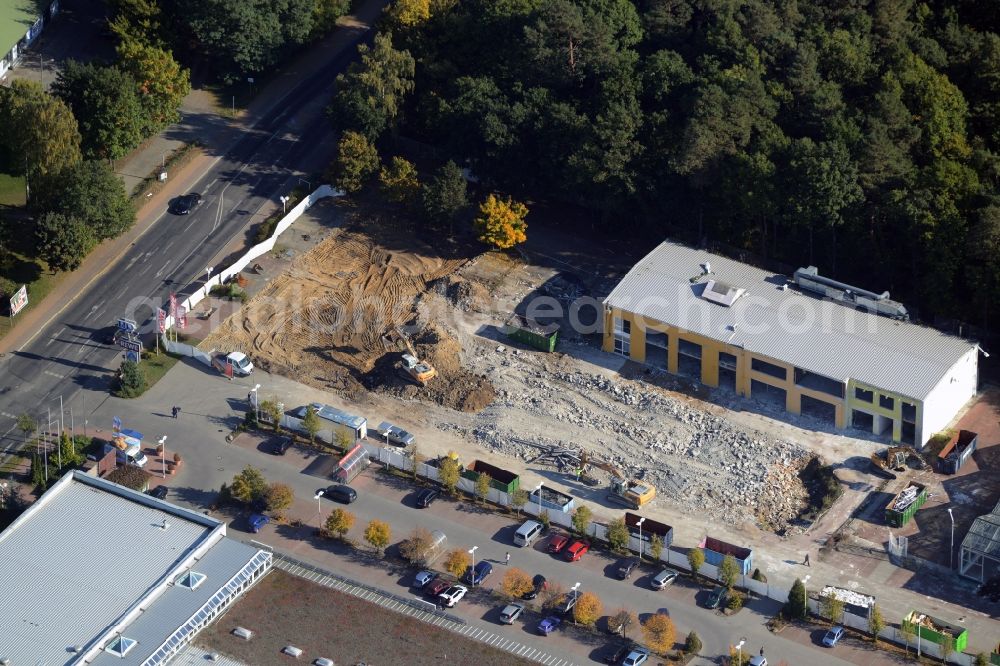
[936,631]
[336,423]
[540,336]
[648,529]
[901,508]
[501,479]
[716,551]
[957,451]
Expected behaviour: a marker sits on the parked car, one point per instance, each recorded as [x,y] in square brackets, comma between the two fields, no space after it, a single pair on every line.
[614,653]
[557,543]
[664,578]
[548,625]
[394,434]
[567,603]
[426,497]
[477,574]
[185,204]
[159,492]
[279,445]
[833,636]
[423,577]
[576,550]
[453,595]
[636,657]
[626,566]
[758,661]
[538,584]
[715,598]
[341,493]
[436,587]
[511,612]
[257,521]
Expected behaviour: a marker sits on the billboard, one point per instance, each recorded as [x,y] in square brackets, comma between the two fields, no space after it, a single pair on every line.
[19,300]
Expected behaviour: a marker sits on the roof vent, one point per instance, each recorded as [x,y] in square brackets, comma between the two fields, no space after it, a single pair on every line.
[292,651]
[706,268]
[213,656]
[721,293]
[242,632]
[165,524]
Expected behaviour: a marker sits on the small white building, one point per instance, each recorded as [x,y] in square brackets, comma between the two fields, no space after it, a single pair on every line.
[95,573]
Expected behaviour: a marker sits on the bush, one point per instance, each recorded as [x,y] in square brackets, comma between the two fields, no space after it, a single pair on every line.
[131,380]
[618,535]
[823,486]
[734,600]
[795,607]
[758,576]
[693,644]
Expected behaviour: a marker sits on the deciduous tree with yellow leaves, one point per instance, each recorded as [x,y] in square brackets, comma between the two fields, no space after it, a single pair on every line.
[501,222]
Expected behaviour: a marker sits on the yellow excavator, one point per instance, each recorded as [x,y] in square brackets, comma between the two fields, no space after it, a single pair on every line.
[410,366]
[633,493]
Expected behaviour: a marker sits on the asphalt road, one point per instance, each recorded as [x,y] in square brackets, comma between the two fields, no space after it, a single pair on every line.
[69,355]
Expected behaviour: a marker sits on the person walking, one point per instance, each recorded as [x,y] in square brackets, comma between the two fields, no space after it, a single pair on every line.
[806,561]
[508,559]
[762,650]
[175,411]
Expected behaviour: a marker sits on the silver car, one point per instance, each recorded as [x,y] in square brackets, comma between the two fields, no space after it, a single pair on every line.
[664,578]
[423,577]
[511,613]
[395,435]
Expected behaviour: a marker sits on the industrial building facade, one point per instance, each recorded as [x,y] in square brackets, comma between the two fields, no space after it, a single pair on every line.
[729,324]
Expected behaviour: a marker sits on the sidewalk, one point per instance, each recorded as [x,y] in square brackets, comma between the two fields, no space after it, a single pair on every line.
[217,134]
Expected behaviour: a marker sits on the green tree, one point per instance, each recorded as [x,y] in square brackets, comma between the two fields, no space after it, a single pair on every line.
[62,242]
[339,523]
[618,535]
[378,534]
[39,130]
[729,572]
[518,499]
[370,95]
[693,644]
[131,380]
[311,423]
[161,83]
[272,408]
[696,558]
[357,161]
[399,181]
[27,424]
[279,497]
[796,607]
[92,193]
[483,482]
[248,486]
[444,196]
[325,15]
[500,222]
[37,471]
[106,104]
[137,20]
[876,623]
[832,608]
[581,519]
[449,473]
[67,451]
[655,547]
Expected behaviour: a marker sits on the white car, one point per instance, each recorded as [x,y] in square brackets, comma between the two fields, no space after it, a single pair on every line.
[241,364]
[758,661]
[453,595]
[636,657]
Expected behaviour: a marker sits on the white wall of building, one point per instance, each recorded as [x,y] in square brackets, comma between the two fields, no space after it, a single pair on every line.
[955,389]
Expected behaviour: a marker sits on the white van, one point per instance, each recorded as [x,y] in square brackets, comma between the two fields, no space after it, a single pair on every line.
[527,533]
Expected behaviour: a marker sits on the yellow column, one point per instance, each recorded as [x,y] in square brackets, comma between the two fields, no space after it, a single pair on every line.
[709,366]
[637,350]
[793,400]
[672,344]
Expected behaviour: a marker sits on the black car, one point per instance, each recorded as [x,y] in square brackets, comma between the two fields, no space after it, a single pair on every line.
[186,204]
[626,566]
[159,492]
[427,497]
[341,493]
[613,653]
[280,444]
[538,584]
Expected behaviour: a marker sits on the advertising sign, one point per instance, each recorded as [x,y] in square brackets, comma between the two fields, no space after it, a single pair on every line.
[161,320]
[127,325]
[19,300]
[182,317]
[132,356]
[173,305]
[130,344]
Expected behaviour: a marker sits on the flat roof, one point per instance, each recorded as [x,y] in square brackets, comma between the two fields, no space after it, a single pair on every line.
[772,318]
[16,17]
[84,556]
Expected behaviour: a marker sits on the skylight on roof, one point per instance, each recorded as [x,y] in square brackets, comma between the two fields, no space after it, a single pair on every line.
[191,580]
[721,293]
[120,646]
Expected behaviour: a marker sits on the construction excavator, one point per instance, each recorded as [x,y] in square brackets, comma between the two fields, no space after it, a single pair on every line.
[894,459]
[632,493]
[410,366]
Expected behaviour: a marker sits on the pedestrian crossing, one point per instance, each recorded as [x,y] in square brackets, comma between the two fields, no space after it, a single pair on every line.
[414,609]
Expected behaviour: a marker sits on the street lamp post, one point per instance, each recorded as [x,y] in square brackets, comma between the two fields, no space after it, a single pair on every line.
[538,491]
[951,551]
[256,401]
[739,651]
[805,597]
[319,509]
[638,524]
[575,595]
[472,576]
[163,457]
[284,204]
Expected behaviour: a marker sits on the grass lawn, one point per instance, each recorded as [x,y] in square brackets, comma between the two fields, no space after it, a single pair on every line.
[34,273]
[155,366]
[287,610]
[11,190]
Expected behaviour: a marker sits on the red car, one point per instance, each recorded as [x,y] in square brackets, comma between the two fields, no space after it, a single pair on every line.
[576,550]
[436,587]
[558,543]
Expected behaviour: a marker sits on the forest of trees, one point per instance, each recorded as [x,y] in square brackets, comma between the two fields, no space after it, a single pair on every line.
[857,135]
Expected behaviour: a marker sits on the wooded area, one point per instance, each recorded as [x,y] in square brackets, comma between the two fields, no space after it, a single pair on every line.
[857,136]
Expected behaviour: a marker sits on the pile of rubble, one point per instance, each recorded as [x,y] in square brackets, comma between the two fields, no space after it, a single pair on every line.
[698,461]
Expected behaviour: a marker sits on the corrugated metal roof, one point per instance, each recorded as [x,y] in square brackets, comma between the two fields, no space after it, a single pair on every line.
[819,336]
[89,550]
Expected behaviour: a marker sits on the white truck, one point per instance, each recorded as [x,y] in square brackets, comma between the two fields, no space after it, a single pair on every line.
[129,450]
[233,364]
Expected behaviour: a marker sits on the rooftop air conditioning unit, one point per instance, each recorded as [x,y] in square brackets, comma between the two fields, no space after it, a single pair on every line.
[242,632]
[323,661]
[292,651]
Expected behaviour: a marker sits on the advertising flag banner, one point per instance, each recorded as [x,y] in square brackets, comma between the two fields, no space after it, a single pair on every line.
[182,317]
[116,424]
[19,300]
[161,320]
[173,305]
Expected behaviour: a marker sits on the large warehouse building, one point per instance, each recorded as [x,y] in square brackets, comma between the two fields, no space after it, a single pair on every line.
[771,337]
[94,573]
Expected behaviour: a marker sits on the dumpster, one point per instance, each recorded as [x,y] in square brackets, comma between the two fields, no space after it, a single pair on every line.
[716,551]
[855,603]
[902,507]
[649,528]
[551,499]
[533,334]
[935,630]
[502,480]
[958,449]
